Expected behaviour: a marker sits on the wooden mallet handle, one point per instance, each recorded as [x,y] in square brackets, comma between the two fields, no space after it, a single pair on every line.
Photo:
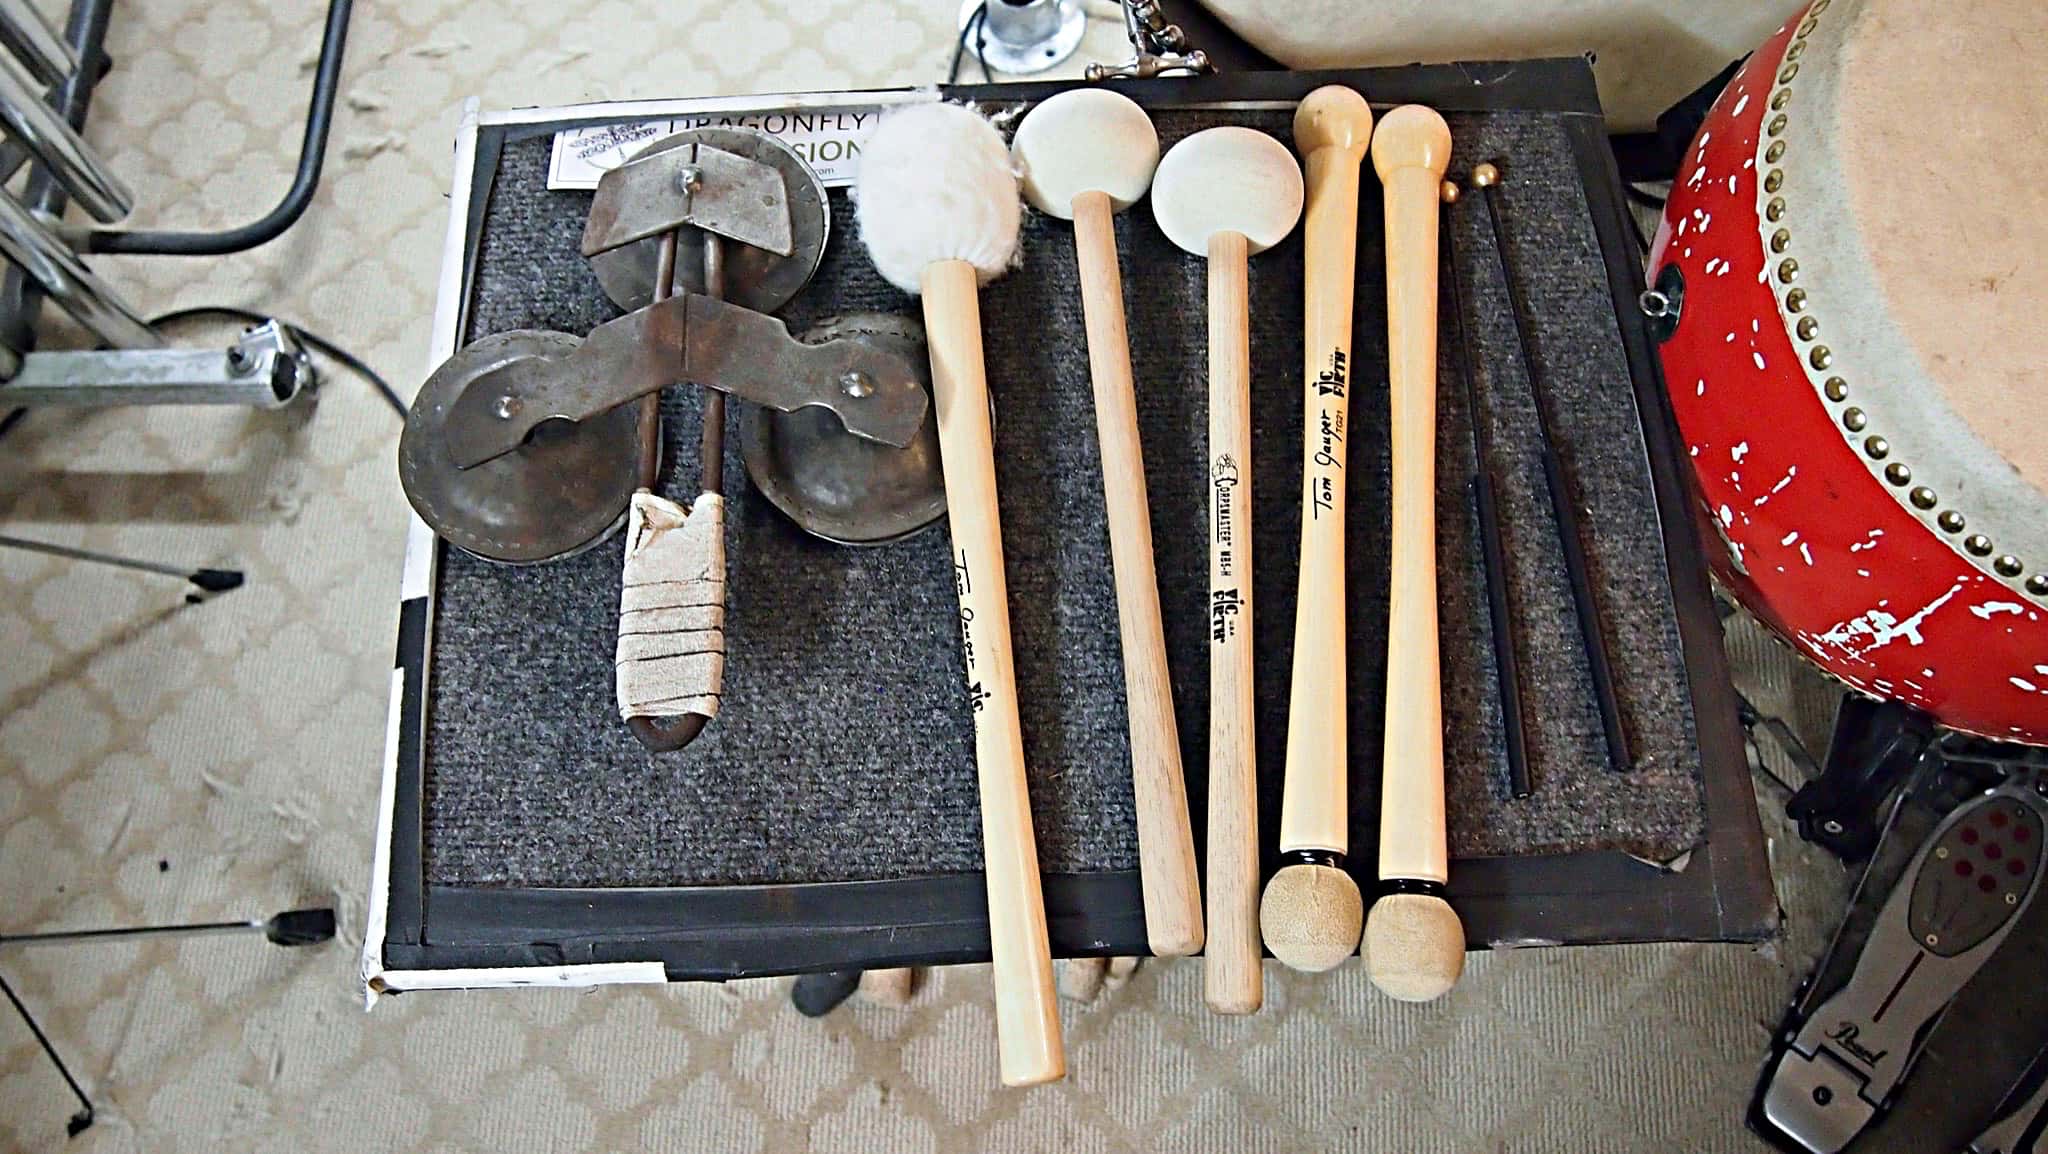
[1027,1012]
[1231,970]
[1166,840]
[1410,151]
[1331,130]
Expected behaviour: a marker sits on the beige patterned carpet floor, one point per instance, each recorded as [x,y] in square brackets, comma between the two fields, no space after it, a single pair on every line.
[164,762]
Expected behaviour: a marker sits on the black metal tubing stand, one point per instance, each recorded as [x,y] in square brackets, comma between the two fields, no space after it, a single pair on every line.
[86,30]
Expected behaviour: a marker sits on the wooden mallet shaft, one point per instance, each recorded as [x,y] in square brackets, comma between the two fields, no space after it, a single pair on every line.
[1027,1010]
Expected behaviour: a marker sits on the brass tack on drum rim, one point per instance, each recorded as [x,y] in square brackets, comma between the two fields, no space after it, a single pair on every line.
[1797,50]
[1777,124]
[1821,357]
[2007,566]
[1776,152]
[1922,497]
[1795,301]
[1807,327]
[1773,180]
[1853,420]
[1780,239]
[1788,270]
[1775,209]
[1783,98]
[1978,544]
[2038,584]
[1837,388]
[1950,521]
[1785,76]
[1897,473]
[1877,447]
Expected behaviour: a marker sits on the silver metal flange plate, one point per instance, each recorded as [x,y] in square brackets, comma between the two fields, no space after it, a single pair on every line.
[838,486]
[754,278]
[562,491]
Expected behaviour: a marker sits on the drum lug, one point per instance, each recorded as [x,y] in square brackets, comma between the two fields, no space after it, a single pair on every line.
[1663,303]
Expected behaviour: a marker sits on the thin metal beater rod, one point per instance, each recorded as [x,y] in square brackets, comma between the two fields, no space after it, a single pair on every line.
[83,1118]
[713,443]
[1563,508]
[1507,662]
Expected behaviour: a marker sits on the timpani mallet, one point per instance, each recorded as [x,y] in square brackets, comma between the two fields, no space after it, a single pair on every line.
[1085,155]
[938,211]
[1226,193]
[1414,944]
[1312,910]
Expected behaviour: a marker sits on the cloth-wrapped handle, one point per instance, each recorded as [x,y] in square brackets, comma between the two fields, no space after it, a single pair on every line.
[671,656]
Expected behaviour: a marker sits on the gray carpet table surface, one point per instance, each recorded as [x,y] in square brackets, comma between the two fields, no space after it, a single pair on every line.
[844,747]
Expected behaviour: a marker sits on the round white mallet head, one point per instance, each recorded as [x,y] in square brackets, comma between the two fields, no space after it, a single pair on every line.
[1085,140]
[1227,179]
[935,184]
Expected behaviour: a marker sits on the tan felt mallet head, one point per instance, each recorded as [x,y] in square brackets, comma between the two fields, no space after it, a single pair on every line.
[1309,916]
[1228,179]
[1081,141]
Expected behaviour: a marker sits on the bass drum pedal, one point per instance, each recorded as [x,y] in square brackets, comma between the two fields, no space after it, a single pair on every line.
[1838,1067]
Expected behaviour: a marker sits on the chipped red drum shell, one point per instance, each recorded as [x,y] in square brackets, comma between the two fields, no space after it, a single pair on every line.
[1796,524]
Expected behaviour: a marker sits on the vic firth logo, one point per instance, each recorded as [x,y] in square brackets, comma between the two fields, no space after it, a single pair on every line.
[1223,607]
[1844,1036]
[1330,382]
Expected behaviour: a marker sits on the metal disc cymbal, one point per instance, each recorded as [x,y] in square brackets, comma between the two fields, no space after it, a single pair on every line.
[561,492]
[838,486]
[755,278]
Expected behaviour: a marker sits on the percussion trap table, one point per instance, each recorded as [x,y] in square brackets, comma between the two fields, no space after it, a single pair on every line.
[828,818]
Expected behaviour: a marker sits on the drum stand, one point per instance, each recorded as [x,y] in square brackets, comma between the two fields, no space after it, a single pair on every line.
[290,928]
[46,84]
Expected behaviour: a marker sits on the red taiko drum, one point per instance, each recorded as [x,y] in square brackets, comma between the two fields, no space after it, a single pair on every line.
[1853,269]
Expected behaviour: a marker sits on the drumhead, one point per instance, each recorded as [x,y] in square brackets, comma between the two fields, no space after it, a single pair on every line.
[1905,230]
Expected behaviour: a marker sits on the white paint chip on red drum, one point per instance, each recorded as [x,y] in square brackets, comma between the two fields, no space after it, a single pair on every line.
[1757,357]
[1790,537]
[2041,669]
[1863,572]
[2023,683]
[1988,608]
[1740,105]
[1883,628]
[1805,553]
[1737,452]
[1727,515]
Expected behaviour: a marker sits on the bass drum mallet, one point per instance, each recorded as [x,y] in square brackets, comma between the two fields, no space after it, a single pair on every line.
[1414,943]
[938,210]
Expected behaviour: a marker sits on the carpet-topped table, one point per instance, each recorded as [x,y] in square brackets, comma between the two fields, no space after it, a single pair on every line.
[828,819]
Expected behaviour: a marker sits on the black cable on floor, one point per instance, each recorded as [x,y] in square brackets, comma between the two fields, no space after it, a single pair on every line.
[970,29]
[313,340]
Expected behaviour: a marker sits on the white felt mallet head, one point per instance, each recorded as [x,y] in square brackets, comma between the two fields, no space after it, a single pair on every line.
[935,184]
[1085,140]
[1228,179]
